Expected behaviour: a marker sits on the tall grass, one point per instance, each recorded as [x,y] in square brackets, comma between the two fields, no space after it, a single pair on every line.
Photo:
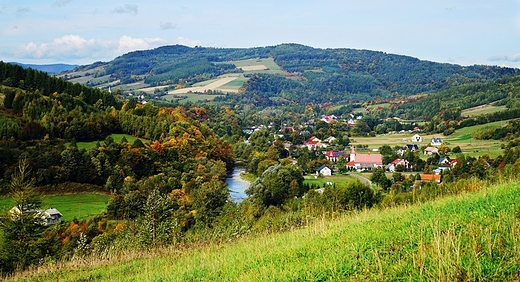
[467,237]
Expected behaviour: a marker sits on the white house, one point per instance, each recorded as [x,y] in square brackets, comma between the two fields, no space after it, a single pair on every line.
[324,171]
[402,162]
[416,138]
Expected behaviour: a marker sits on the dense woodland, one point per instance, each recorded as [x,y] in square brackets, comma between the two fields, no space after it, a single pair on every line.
[170,189]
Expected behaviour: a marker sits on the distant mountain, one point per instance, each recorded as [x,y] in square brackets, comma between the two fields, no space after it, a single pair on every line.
[48,68]
[283,74]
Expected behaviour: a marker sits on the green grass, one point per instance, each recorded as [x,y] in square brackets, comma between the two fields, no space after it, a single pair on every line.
[81,206]
[321,181]
[469,237]
[482,110]
[117,138]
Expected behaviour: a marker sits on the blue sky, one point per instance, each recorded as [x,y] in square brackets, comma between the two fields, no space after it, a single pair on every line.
[82,32]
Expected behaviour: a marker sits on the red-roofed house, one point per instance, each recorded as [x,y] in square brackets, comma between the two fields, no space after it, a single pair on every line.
[364,161]
[334,155]
[402,162]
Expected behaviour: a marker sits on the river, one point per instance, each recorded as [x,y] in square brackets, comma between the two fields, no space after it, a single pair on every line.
[236,185]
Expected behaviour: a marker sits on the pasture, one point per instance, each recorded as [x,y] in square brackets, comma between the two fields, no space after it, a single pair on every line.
[80,206]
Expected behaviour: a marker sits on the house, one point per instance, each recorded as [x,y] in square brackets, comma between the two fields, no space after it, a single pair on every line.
[329,139]
[436,141]
[416,138]
[411,147]
[399,162]
[314,140]
[51,216]
[453,163]
[364,161]
[324,171]
[430,151]
[46,218]
[431,177]
[334,155]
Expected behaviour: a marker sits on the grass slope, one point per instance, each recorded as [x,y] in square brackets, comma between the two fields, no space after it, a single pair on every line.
[467,237]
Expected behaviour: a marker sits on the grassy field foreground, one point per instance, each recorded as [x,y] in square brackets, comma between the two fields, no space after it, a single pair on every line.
[465,238]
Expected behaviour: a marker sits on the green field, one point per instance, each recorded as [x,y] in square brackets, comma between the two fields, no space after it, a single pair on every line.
[80,206]
[321,181]
[482,110]
[469,237]
[117,138]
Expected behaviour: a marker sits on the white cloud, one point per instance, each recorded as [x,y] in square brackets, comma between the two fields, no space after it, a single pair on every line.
[126,9]
[188,42]
[128,44]
[77,49]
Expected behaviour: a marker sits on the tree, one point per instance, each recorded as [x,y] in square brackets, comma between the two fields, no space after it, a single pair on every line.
[276,185]
[22,226]
[341,164]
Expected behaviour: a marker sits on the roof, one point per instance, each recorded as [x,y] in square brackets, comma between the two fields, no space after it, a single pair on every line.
[431,177]
[53,211]
[397,161]
[322,167]
[369,158]
[412,146]
[335,153]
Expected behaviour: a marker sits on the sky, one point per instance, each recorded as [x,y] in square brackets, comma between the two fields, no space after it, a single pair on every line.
[464,32]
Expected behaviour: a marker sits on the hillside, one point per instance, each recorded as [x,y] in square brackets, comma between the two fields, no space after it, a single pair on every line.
[469,237]
[301,74]
[48,68]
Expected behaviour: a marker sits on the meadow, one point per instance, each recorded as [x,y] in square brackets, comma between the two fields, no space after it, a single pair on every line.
[116,136]
[322,181]
[80,206]
[468,237]
[482,110]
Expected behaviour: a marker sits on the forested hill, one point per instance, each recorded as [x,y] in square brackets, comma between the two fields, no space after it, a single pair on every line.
[308,74]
